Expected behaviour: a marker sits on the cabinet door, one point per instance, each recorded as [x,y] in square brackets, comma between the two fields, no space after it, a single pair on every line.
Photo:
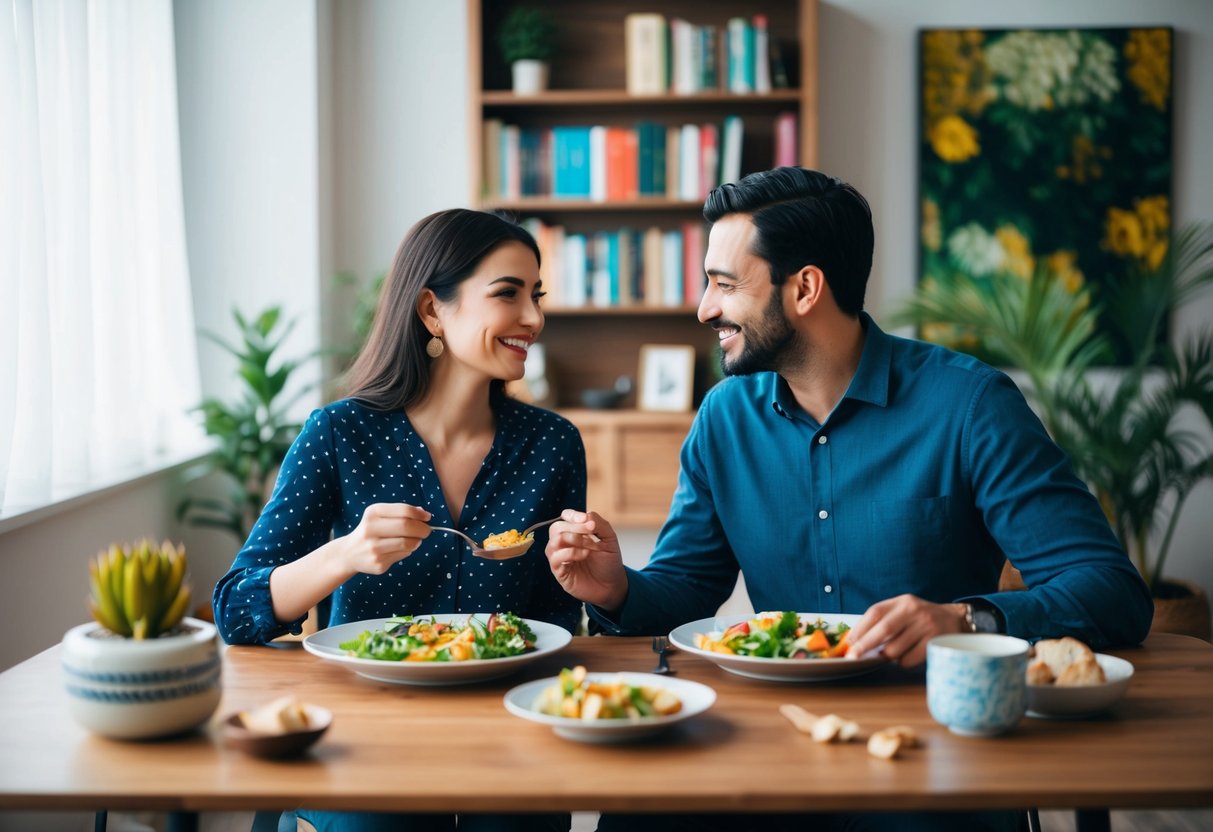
[648,470]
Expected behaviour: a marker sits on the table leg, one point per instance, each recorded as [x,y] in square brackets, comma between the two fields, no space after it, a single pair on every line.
[1092,820]
[99,821]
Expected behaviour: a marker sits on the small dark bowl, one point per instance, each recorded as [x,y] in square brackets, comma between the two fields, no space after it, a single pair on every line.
[600,399]
[290,744]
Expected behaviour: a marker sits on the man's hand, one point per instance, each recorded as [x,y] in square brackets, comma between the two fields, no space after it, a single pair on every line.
[901,627]
[589,570]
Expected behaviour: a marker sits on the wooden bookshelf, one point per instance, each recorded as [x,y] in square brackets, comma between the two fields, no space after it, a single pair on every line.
[633,455]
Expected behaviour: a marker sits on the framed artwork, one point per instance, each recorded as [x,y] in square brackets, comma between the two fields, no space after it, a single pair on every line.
[667,376]
[1044,151]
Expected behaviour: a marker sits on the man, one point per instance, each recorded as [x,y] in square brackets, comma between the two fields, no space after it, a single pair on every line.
[844,470]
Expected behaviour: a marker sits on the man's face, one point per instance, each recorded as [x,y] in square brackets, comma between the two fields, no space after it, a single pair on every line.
[740,303]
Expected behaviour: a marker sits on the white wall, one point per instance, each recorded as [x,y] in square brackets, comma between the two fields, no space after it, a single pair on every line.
[279,195]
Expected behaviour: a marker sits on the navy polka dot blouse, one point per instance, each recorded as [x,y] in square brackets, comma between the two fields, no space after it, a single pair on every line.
[349,456]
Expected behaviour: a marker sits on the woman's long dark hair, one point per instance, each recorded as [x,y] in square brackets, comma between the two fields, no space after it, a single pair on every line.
[392,371]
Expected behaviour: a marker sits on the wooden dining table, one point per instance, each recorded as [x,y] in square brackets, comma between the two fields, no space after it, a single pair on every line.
[409,748]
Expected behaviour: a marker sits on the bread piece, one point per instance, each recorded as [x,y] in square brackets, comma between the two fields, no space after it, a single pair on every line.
[1039,673]
[799,717]
[281,716]
[885,745]
[1084,671]
[1060,653]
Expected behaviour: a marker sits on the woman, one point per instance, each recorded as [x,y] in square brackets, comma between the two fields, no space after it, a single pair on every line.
[426,436]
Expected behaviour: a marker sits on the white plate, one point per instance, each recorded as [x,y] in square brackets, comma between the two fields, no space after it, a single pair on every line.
[1053,702]
[696,699]
[326,644]
[775,670]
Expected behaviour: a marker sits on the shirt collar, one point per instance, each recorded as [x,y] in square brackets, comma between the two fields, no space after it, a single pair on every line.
[869,384]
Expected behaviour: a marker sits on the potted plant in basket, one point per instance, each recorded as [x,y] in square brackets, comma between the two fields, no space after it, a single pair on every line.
[1138,435]
[142,668]
[527,38]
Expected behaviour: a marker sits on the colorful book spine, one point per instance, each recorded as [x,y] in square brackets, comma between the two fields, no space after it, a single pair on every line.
[762,56]
[645,40]
[786,151]
[571,162]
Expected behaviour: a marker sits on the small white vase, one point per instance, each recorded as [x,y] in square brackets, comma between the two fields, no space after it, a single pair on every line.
[530,77]
[129,689]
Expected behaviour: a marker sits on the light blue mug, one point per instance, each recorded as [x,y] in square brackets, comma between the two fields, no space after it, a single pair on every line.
[976,682]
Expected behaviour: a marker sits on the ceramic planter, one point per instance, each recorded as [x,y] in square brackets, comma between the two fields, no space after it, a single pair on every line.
[530,77]
[128,689]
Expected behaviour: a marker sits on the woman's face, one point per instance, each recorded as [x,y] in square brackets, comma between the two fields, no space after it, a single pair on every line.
[496,316]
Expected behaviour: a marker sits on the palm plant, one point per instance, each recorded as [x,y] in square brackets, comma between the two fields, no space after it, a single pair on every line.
[254,431]
[1139,437]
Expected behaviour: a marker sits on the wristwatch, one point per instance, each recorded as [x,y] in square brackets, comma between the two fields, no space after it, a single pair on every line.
[983,618]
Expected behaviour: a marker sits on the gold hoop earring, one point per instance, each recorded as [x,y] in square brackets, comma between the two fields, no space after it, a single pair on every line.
[434,347]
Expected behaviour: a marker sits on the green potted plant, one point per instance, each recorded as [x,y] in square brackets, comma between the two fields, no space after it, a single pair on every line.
[254,431]
[141,668]
[1138,435]
[527,37]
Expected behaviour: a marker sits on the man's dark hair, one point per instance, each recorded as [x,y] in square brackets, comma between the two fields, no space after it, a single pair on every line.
[805,218]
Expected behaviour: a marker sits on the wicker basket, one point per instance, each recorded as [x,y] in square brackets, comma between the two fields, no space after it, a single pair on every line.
[1184,609]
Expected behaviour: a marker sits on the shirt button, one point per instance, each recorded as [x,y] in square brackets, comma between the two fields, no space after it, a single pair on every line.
[821,440]
[829,588]
[823,514]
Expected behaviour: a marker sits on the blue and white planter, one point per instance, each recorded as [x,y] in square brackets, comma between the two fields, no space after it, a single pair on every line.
[128,689]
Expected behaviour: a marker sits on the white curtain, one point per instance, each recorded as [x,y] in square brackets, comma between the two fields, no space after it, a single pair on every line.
[98,367]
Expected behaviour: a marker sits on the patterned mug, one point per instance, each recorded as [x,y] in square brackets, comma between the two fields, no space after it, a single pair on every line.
[975,682]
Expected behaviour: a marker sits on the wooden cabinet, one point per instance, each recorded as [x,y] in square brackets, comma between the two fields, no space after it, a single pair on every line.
[632,462]
[633,455]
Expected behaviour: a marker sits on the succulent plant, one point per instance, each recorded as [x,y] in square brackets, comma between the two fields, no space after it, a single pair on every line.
[139,591]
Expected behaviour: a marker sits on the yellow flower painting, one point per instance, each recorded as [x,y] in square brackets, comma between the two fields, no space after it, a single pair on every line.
[1044,151]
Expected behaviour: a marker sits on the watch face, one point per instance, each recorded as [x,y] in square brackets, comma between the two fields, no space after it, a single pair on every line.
[984,621]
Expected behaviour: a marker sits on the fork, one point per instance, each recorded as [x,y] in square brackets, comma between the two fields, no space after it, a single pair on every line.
[661,645]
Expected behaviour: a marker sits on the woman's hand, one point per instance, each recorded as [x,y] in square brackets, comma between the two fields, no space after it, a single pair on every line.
[589,569]
[388,532]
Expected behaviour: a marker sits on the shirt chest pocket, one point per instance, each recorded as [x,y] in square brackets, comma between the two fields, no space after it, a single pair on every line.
[911,541]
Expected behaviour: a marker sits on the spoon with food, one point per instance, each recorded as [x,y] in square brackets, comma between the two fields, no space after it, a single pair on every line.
[503,545]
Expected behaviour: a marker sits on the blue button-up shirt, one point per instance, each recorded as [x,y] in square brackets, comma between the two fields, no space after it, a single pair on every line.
[928,474]
[348,457]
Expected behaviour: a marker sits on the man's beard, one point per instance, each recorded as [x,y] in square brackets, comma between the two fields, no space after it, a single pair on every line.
[766,342]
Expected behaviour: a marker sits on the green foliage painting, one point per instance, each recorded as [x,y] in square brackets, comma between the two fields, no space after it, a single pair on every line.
[1043,151]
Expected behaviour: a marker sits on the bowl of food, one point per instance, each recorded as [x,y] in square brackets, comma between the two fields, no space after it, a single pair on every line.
[608,707]
[1067,680]
[284,727]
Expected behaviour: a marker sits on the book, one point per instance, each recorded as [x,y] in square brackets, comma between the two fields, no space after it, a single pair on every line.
[689,165]
[574,269]
[693,278]
[779,69]
[571,162]
[673,161]
[709,159]
[762,57]
[645,53]
[491,161]
[740,72]
[598,163]
[786,150]
[730,149]
[653,254]
[671,268]
[682,61]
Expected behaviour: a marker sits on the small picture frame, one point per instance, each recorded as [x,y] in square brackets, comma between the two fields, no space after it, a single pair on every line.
[667,376]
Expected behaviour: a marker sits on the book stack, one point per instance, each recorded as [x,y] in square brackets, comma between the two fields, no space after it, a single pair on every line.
[656,267]
[611,163]
[674,55]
